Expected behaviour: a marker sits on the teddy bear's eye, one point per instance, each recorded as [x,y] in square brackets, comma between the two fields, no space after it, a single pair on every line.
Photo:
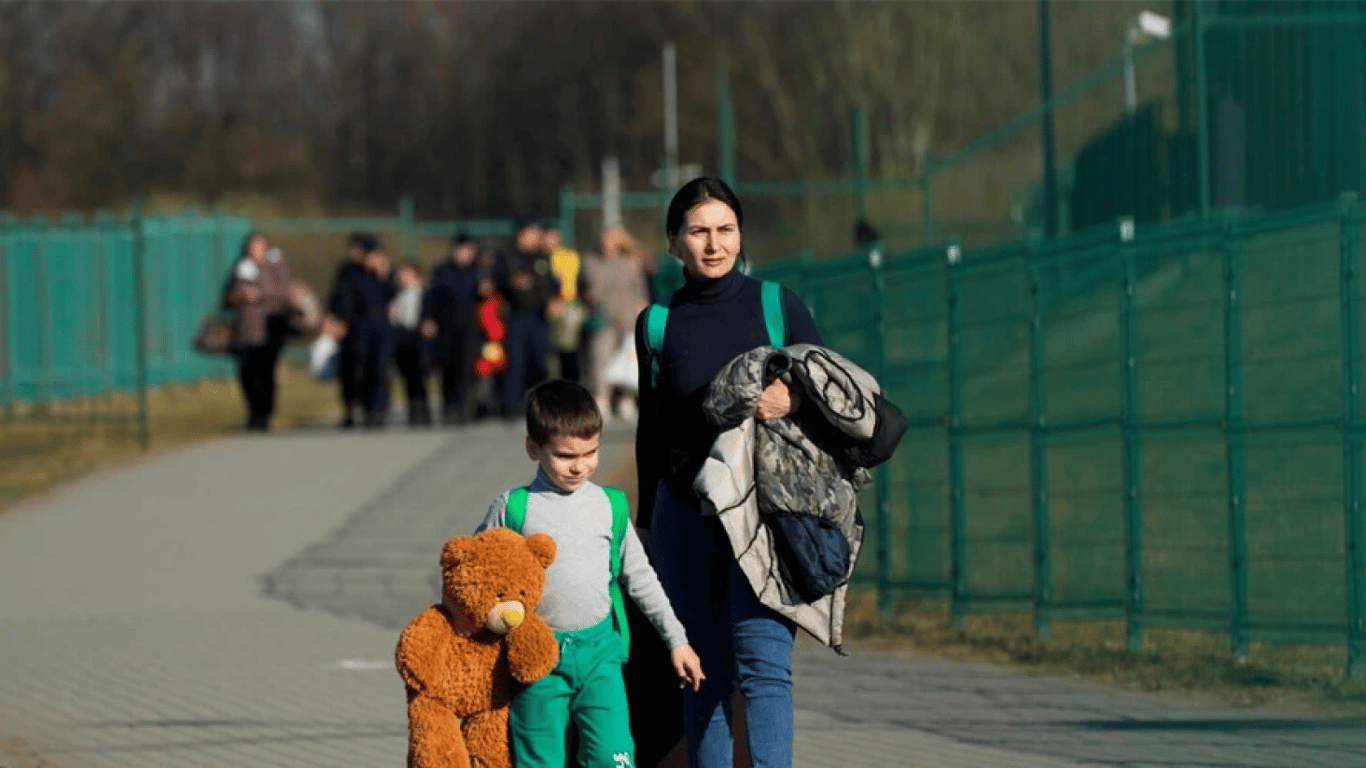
[500,595]
[522,593]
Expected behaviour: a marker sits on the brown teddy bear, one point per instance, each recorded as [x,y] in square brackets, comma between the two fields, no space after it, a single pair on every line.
[458,659]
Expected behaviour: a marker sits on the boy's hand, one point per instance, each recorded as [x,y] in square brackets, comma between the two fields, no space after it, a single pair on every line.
[688,666]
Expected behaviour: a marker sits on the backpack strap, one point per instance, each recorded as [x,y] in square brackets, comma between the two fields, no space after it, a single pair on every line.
[775,322]
[621,517]
[775,315]
[514,516]
[656,318]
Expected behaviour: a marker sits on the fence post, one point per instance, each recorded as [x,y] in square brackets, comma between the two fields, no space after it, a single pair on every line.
[405,225]
[1038,457]
[880,479]
[953,427]
[725,126]
[926,203]
[1234,438]
[1133,453]
[140,324]
[43,373]
[7,326]
[807,259]
[1202,148]
[860,120]
[1350,224]
[567,216]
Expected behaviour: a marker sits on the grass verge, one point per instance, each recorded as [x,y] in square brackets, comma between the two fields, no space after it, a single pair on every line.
[38,457]
[1196,664]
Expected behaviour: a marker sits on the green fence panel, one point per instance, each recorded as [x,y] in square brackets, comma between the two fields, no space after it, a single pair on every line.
[121,308]
[69,332]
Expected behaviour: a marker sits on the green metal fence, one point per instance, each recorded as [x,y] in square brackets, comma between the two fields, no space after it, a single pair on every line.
[1155,423]
[99,307]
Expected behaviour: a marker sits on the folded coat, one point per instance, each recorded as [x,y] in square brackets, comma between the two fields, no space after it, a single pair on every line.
[786,490]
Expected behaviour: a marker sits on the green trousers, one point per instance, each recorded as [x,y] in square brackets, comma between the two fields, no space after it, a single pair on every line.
[587,687]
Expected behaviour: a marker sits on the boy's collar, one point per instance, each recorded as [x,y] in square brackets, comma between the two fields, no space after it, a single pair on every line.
[544,483]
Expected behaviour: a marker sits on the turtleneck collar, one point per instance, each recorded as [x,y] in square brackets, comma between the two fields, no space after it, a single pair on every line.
[544,483]
[701,291]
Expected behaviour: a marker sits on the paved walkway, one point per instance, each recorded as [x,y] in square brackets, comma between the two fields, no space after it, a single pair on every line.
[237,603]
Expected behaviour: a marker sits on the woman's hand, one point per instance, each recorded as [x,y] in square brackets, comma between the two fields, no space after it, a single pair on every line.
[776,401]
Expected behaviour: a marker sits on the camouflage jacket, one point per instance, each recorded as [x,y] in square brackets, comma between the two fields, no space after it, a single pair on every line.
[785,490]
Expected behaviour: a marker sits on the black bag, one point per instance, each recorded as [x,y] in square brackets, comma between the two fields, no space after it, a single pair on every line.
[813,554]
[216,334]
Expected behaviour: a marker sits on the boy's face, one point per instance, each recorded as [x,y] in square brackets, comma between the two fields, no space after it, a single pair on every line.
[409,277]
[567,460]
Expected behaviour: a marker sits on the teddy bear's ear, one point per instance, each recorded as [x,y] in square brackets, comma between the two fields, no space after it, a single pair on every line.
[543,547]
[454,551]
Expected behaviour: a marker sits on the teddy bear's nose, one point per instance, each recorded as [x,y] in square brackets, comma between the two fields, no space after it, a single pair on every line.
[506,617]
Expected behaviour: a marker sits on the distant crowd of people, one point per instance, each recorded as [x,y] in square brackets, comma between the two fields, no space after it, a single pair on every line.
[489,323]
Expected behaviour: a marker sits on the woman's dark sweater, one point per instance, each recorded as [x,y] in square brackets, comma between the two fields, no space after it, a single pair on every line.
[711,322]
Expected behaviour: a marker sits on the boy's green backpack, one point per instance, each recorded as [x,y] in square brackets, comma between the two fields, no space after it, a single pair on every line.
[515,517]
[775,320]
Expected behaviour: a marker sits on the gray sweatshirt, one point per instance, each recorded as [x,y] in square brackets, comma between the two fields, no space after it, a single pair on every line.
[576,585]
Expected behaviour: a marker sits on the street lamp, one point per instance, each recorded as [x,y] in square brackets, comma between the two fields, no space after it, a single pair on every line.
[1148,26]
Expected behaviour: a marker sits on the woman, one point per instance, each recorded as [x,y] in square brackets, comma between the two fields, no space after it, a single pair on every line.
[716,316]
[617,292]
[260,290]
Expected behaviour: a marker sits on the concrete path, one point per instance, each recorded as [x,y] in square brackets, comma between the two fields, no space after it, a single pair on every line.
[237,603]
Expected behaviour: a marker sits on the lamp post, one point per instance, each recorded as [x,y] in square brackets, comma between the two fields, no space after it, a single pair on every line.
[1147,26]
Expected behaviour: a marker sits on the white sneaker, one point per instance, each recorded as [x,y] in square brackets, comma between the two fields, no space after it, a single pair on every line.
[626,409]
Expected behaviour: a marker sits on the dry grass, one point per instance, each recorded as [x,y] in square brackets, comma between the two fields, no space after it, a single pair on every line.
[37,457]
[1197,663]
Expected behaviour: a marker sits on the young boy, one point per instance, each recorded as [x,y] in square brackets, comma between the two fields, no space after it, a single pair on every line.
[405,315]
[564,427]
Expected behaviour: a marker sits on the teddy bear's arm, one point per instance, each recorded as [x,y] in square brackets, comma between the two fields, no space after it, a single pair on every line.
[532,650]
[424,656]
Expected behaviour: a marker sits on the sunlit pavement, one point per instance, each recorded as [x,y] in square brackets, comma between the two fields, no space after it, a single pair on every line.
[236,603]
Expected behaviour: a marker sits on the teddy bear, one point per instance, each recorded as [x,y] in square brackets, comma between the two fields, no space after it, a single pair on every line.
[458,658]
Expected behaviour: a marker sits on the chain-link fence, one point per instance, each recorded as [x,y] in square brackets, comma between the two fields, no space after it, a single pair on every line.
[1159,423]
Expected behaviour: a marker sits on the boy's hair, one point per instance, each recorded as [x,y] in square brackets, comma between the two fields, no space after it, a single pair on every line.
[561,408]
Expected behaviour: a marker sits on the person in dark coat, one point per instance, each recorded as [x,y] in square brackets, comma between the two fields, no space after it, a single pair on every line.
[448,320]
[343,305]
[374,336]
[530,288]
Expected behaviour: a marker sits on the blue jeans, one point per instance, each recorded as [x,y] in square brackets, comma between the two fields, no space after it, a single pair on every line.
[737,638]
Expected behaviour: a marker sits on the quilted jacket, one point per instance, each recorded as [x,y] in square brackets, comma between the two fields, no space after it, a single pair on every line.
[785,490]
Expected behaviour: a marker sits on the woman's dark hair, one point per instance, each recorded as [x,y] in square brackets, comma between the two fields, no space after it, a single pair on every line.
[696,192]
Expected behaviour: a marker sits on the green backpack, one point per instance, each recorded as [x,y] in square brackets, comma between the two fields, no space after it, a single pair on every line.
[515,518]
[775,320]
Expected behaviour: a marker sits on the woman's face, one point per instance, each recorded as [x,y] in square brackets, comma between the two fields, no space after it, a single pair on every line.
[709,241]
[257,248]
